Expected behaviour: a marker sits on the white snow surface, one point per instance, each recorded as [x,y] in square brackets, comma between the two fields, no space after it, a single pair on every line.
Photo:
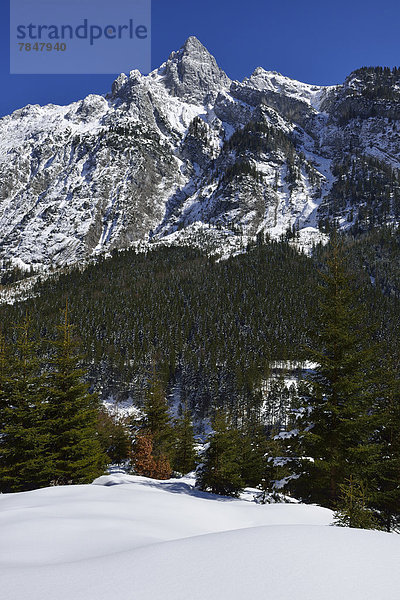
[273,81]
[133,538]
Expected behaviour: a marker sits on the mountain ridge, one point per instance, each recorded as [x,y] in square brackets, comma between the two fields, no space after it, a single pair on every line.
[185,149]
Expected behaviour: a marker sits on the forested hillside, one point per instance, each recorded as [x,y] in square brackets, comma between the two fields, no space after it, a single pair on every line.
[212,327]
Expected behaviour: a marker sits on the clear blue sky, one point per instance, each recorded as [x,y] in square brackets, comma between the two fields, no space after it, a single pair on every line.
[315,42]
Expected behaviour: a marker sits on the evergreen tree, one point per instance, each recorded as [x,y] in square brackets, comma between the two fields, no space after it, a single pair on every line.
[24,436]
[6,479]
[284,463]
[75,454]
[353,508]
[338,433]
[113,436]
[253,450]
[184,451]
[156,419]
[221,470]
[4,375]
[156,429]
[386,497]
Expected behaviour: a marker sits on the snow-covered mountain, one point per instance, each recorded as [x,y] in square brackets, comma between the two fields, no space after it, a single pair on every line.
[185,151]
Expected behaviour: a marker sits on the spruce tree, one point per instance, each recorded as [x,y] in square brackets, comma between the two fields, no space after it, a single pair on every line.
[253,450]
[184,446]
[221,470]
[4,376]
[24,437]
[155,431]
[156,420]
[352,510]
[340,417]
[5,413]
[75,453]
[114,436]
[386,496]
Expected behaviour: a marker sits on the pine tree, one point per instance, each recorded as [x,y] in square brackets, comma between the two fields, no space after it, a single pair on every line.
[184,447]
[340,407]
[75,453]
[221,470]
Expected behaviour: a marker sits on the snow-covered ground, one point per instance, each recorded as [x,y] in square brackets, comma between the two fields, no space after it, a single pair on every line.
[131,538]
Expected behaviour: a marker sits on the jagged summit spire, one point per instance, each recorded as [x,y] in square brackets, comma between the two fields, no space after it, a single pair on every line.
[193,73]
[193,47]
[193,43]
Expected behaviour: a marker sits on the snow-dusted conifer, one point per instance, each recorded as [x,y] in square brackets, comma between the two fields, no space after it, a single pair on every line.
[340,413]
[75,454]
[221,470]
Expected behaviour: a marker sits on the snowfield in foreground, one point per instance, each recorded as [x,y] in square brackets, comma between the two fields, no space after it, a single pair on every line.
[132,538]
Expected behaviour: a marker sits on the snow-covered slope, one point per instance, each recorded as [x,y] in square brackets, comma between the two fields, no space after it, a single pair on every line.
[272,81]
[134,538]
[184,146]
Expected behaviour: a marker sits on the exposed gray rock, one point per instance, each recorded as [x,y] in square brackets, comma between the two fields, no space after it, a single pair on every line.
[185,145]
[193,74]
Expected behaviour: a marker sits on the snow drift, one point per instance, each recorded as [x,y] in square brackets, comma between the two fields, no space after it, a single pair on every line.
[135,538]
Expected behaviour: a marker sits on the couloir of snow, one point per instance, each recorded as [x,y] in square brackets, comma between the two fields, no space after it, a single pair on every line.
[132,538]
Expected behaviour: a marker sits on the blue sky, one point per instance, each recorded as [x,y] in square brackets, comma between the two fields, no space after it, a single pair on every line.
[315,42]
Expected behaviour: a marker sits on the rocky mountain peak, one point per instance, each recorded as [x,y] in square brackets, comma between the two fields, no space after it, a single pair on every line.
[184,151]
[194,45]
[193,74]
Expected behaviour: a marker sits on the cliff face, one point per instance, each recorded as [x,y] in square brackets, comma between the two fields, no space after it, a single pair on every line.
[186,147]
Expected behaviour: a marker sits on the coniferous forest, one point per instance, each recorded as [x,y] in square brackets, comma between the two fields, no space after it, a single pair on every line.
[216,340]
